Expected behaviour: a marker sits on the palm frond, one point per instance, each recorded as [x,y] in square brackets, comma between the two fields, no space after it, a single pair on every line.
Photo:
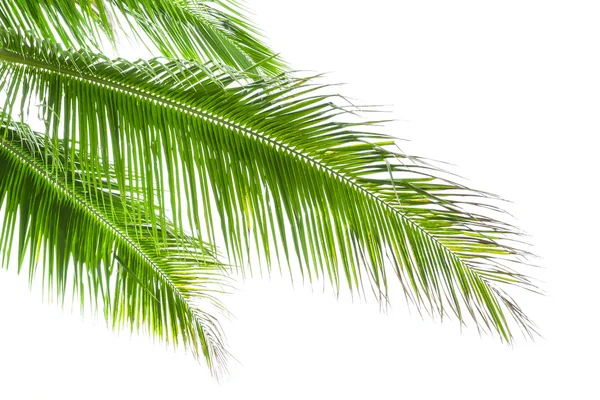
[286,169]
[83,234]
[215,31]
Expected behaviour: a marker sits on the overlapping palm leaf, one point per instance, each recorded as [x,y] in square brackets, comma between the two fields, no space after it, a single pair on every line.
[288,174]
[216,30]
[74,225]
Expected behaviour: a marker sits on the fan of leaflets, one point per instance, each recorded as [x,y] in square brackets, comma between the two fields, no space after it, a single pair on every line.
[290,179]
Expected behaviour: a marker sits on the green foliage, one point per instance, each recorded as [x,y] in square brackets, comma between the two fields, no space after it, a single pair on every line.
[87,236]
[216,31]
[136,154]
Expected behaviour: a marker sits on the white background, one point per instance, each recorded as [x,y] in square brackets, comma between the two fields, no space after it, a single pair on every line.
[509,92]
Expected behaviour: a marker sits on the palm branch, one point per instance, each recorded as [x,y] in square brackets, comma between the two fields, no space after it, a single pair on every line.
[216,30]
[289,174]
[84,233]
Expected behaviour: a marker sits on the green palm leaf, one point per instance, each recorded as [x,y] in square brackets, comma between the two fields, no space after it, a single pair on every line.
[214,31]
[286,171]
[82,233]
